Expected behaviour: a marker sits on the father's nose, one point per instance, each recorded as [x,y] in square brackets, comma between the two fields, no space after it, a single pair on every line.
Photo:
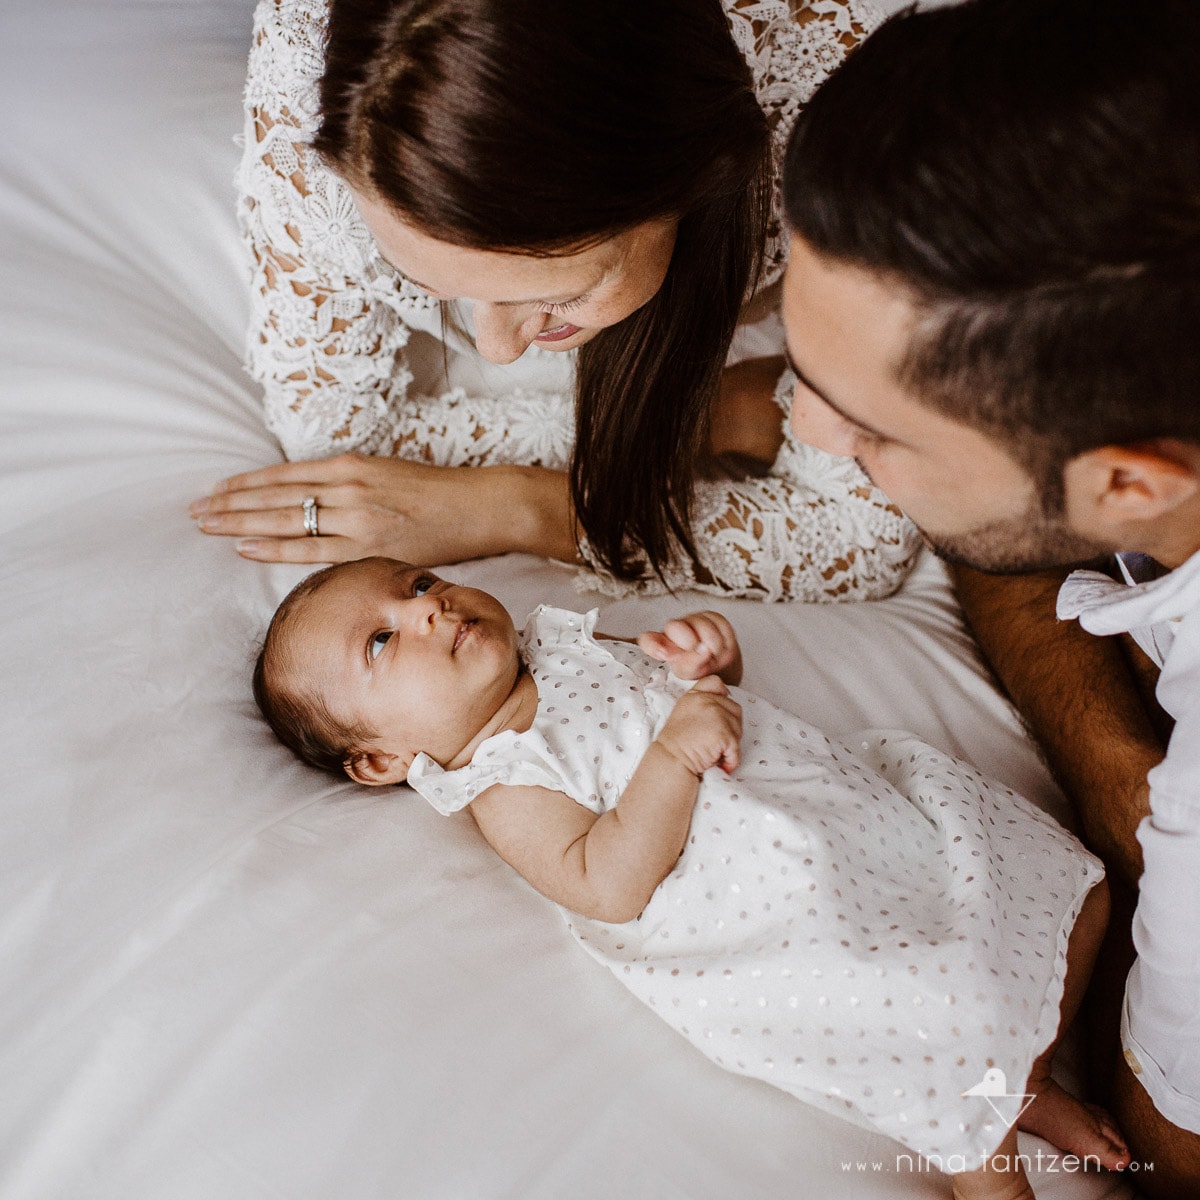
[816,424]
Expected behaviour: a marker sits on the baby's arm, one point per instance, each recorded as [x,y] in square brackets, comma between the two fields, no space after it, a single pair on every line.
[607,867]
[699,644]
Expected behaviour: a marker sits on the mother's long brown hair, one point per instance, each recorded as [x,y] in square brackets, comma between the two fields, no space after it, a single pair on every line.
[513,125]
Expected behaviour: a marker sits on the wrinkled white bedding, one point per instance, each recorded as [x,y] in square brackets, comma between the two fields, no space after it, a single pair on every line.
[222,975]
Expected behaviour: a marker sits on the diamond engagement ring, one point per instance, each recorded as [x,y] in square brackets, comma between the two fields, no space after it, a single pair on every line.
[309,505]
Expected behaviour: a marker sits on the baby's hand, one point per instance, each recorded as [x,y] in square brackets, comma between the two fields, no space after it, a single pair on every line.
[697,645]
[705,728]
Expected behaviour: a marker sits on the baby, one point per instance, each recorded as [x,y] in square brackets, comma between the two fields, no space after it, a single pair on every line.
[880,932]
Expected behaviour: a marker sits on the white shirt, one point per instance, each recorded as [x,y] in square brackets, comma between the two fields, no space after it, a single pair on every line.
[1163,616]
[1160,1023]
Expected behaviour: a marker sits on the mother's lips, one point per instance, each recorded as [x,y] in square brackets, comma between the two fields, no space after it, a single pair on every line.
[558,334]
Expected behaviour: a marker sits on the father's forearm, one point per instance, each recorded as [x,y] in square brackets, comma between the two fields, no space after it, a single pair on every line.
[1080,700]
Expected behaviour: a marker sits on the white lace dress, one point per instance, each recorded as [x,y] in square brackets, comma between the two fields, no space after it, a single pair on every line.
[354,357]
[875,931]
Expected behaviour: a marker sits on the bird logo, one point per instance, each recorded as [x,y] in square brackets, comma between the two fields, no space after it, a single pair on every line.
[993,1087]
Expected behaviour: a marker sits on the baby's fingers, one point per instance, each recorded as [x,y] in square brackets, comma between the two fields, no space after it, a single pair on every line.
[677,645]
[658,646]
[712,631]
[682,633]
[731,758]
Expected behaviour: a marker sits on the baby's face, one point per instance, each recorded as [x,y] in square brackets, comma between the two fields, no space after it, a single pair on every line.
[423,662]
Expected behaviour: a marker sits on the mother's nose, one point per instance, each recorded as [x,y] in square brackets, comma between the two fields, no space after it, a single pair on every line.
[503,333]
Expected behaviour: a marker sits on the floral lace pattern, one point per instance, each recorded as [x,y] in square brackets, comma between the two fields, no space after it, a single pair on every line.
[332,327]
[814,528]
[791,47]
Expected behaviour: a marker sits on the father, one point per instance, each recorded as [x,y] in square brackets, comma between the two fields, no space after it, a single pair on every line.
[993,302]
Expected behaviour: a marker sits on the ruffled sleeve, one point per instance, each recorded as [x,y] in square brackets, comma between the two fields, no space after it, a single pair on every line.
[498,760]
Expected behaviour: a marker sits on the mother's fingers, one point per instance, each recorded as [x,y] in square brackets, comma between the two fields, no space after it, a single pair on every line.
[310,470]
[282,496]
[299,550]
[262,522]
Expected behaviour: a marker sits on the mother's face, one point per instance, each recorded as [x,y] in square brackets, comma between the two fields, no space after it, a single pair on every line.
[519,300]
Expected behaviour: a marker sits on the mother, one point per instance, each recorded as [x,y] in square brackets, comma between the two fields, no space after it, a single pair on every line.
[596,177]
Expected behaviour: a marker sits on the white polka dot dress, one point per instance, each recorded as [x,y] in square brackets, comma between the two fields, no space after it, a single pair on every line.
[871,929]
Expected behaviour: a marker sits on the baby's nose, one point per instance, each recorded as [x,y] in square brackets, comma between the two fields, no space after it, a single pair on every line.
[426,611]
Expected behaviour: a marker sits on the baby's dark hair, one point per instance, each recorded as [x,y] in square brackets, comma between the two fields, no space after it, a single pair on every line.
[300,719]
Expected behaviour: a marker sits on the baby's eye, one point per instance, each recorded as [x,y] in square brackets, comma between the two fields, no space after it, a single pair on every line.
[423,584]
[377,643]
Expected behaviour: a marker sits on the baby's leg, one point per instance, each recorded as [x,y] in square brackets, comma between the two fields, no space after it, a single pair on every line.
[1002,1178]
[1082,1129]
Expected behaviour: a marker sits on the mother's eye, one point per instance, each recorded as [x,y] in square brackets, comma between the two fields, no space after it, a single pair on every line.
[377,643]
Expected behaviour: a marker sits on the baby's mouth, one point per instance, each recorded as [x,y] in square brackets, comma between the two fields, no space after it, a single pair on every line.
[464,631]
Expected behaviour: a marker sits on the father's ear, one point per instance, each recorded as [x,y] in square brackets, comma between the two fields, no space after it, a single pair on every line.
[376,767]
[1142,482]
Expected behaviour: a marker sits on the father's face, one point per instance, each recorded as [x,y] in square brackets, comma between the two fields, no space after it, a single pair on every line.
[973,501]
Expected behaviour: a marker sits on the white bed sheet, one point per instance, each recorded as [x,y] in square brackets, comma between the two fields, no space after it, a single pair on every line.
[221,974]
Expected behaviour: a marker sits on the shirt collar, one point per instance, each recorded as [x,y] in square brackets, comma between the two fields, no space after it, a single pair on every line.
[1106,606]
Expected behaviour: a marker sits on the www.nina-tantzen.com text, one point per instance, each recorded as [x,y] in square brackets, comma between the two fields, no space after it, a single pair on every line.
[1043,1162]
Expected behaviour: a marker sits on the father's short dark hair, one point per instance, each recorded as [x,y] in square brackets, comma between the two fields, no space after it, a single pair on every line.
[1030,171]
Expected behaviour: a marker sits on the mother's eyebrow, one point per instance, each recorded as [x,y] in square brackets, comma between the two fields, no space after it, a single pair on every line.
[820,395]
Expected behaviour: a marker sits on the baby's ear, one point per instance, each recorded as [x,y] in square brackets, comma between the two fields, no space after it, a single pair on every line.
[376,767]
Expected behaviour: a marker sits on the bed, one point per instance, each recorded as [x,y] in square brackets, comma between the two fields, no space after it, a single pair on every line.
[222,974]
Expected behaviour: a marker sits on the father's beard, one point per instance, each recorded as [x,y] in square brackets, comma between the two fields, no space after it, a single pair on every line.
[1034,541]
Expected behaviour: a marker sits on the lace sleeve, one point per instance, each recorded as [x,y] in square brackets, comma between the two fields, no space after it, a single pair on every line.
[331,318]
[528,428]
[327,329]
[792,47]
[813,529]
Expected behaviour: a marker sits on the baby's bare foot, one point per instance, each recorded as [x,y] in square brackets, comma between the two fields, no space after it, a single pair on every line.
[992,1189]
[978,1185]
[1084,1130]
[1002,1177]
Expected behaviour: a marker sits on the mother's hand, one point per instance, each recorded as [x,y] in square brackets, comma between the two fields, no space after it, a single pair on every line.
[366,505]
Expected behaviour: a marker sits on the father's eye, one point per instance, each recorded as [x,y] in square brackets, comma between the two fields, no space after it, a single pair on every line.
[377,643]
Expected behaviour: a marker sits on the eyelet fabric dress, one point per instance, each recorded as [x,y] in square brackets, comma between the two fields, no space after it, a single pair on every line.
[872,926]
